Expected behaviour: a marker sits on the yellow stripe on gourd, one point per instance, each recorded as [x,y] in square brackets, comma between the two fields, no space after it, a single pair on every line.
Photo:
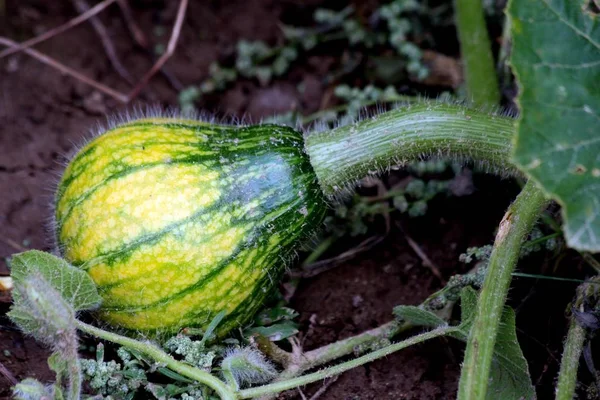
[238,278]
[141,203]
[167,267]
[207,300]
[124,148]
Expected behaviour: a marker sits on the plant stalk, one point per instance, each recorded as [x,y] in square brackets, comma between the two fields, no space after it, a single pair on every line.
[514,228]
[476,49]
[338,369]
[344,155]
[150,350]
[569,364]
[75,376]
[587,294]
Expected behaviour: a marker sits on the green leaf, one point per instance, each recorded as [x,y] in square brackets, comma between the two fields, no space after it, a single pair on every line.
[75,285]
[58,364]
[418,316]
[30,388]
[174,375]
[40,311]
[275,314]
[274,332]
[212,326]
[509,378]
[556,57]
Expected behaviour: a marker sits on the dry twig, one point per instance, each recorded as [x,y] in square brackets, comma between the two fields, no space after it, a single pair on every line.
[321,266]
[125,98]
[324,387]
[59,29]
[422,255]
[82,6]
[138,36]
[13,244]
[8,375]
[67,71]
[168,53]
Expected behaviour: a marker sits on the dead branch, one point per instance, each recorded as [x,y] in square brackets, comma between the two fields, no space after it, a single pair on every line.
[82,6]
[124,98]
[58,30]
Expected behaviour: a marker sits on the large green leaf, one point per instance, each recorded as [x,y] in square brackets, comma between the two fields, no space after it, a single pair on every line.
[556,57]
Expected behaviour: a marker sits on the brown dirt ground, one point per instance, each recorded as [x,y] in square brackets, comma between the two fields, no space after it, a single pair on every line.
[43,114]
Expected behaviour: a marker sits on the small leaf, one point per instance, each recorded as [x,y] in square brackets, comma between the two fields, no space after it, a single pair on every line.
[174,375]
[275,332]
[75,285]
[556,58]
[509,377]
[59,365]
[417,316]
[247,366]
[32,389]
[40,311]
[275,314]
[212,326]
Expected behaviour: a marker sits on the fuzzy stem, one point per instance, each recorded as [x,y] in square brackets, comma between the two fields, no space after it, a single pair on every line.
[343,347]
[514,228]
[338,369]
[150,350]
[480,74]
[342,156]
[75,377]
[567,377]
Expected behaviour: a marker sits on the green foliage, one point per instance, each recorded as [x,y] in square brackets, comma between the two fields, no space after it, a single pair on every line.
[275,324]
[557,142]
[354,217]
[418,316]
[194,352]
[357,98]
[260,61]
[482,253]
[40,311]
[509,377]
[451,293]
[246,366]
[510,374]
[120,380]
[47,293]
[74,285]
[31,389]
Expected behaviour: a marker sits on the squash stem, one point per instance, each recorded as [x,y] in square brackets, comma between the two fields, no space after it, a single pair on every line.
[152,351]
[514,228]
[476,51]
[342,156]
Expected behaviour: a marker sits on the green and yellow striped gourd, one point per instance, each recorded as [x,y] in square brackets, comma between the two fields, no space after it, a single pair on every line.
[177,220]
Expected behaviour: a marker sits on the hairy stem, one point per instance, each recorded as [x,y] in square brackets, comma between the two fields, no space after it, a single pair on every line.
[514,228]
[75,377]
[569,364]
[151,350]
[476,49]
[344,155]
[338,369]
[587,294]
